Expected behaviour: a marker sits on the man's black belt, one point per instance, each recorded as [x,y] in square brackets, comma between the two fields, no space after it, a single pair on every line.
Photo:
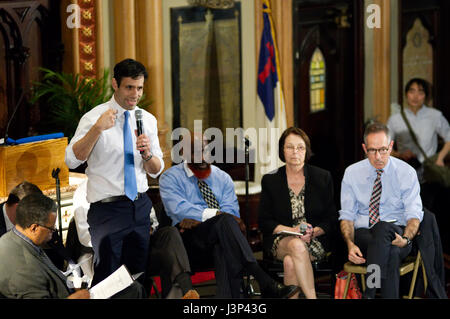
[120,198]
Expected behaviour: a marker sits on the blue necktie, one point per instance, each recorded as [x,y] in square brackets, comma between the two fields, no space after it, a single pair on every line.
[128,171]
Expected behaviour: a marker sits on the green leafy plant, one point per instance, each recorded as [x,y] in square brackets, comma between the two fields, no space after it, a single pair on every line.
[64,98]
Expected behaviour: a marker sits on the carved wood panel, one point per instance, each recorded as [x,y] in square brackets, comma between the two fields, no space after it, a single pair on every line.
[29,38]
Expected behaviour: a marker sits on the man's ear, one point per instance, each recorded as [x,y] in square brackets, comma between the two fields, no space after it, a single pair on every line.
[34,227]
[114,84]
[391,145]
[364,148]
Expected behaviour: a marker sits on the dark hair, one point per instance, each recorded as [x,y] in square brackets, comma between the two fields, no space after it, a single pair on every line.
[296,131]
[20,191]
[375,127]
[129,68]
[421,83]
[34,209]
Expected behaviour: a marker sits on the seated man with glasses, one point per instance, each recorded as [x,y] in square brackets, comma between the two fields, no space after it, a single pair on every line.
[25,269]
[381,210]
[53,248]
[10,206]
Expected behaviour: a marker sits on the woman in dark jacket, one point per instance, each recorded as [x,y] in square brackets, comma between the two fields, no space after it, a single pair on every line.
[296,197]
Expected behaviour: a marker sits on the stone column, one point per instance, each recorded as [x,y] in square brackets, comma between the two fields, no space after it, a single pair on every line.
[149,51]
[124,30]
[382,63]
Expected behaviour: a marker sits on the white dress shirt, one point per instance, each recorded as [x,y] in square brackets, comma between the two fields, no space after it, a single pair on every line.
[106,161]
[427,124]
[80,211]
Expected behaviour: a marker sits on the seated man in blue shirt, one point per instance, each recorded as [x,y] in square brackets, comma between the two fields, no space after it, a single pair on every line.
[200,199]
[381,209]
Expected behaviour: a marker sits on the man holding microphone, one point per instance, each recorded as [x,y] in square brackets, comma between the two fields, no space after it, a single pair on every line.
[119,157]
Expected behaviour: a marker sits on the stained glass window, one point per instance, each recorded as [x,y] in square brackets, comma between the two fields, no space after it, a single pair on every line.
[317,72]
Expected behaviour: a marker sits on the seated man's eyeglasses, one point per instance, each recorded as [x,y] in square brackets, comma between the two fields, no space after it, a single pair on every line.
[382,151]
[52,229]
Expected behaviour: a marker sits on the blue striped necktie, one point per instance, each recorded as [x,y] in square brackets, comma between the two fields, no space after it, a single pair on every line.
[374,206]
[128,171]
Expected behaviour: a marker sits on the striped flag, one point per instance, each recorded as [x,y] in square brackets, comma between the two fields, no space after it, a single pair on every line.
[270,95]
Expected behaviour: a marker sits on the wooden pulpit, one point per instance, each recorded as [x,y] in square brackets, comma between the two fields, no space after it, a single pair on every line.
[33,162]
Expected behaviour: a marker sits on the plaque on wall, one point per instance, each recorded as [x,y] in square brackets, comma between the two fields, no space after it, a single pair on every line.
[206,67]
[418,56]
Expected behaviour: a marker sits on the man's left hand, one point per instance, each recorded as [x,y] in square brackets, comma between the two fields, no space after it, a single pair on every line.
[399,241]
[188,223]
[241,224]
[143,144]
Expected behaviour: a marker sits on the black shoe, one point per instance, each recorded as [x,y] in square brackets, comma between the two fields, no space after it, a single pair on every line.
[278,290]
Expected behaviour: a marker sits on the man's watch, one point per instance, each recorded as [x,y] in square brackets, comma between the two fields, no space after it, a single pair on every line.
[408,241]
[146,159]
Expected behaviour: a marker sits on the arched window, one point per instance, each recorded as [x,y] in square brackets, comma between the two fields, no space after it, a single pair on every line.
[317,72]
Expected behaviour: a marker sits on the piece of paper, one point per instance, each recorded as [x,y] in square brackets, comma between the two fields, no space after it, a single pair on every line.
[287,232]
[117,281]
[136,276]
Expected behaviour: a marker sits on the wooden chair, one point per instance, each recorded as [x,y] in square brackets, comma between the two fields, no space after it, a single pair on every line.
[411,263]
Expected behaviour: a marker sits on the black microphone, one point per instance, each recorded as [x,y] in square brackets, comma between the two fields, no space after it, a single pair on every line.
[139,124]
[16,107]
[247,142]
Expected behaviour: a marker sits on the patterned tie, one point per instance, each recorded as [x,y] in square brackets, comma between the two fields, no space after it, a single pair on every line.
[374,206]
[208,195]
[129,173]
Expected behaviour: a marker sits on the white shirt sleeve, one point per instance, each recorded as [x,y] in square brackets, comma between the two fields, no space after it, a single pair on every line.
[83,127]
[81,208]
[153,219]
[208,213]
[151,129]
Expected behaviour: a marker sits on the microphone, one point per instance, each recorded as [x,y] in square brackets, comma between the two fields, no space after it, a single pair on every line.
[247,141]
[16,107]
[139,124]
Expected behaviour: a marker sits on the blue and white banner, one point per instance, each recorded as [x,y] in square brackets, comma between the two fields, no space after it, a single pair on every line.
[270,102]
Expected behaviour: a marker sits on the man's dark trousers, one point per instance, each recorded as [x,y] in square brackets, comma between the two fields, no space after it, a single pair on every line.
[220,239]
[120,234]
[376,246]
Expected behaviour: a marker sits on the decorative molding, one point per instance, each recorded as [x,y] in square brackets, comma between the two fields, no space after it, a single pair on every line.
[21,12]
[213,4]
[87,34]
